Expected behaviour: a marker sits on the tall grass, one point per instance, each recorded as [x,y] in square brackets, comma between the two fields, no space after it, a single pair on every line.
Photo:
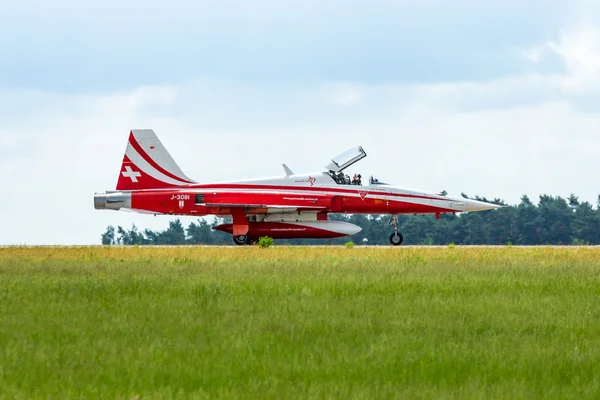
[289,322]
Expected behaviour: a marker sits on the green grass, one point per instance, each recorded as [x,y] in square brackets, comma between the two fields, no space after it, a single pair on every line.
[285,322]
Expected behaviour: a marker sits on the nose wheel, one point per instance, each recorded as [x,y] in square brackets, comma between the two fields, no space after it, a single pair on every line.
[396,238]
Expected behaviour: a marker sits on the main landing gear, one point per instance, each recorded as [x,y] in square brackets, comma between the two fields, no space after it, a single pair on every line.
[396,238]
[240,224]
[241,240]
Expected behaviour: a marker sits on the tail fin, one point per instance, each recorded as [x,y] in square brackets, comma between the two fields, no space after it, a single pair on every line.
[148,165]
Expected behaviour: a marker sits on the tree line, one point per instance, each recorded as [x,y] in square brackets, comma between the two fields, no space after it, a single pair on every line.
[553,220]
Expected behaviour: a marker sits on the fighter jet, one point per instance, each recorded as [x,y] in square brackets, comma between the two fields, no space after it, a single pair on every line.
[282,207]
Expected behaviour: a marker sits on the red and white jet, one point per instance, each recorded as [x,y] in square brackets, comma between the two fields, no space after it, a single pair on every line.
[284,207]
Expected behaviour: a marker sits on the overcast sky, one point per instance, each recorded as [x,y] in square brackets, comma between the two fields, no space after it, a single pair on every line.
[497,99]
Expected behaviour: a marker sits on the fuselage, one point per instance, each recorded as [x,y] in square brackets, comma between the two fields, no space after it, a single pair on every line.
[315,193]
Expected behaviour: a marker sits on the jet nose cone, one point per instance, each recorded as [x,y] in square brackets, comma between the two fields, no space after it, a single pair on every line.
[475,205]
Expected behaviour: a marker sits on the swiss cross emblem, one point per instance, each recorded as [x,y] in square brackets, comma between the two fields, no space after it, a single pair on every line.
[362,194]
[131,174]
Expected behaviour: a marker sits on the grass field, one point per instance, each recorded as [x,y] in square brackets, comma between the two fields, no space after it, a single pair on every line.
[291,322]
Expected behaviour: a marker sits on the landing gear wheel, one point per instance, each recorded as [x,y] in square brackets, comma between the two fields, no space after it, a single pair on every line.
[241,239]
[396,239]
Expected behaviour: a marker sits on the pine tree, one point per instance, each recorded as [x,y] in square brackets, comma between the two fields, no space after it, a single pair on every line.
[108,237]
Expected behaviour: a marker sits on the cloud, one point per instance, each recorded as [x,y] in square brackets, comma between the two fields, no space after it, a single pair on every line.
[580,51]
[75,47]
[421,136]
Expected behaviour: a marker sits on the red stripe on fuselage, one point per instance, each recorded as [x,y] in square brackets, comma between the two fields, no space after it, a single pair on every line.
[150,161]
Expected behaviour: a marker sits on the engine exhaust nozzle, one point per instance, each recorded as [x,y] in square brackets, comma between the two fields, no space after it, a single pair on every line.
[112,201]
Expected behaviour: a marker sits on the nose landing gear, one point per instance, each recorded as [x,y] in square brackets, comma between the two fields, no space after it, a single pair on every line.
[396,238]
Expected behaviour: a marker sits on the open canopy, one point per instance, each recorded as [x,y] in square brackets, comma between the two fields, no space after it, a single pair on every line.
[346,159]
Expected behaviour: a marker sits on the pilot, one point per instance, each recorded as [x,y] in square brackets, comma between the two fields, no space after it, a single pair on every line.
[356,180]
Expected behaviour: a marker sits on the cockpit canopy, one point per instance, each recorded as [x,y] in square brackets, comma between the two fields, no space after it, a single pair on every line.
[346,159]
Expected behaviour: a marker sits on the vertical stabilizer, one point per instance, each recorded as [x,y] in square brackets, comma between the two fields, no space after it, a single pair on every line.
[148,165]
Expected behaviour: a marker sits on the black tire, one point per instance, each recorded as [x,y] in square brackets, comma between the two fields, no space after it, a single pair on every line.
[396,239]
[241,239]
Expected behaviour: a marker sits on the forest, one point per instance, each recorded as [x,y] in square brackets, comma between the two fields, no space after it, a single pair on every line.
[553,220]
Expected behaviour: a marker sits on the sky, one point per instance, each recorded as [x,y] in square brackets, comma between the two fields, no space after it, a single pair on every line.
[496,99]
